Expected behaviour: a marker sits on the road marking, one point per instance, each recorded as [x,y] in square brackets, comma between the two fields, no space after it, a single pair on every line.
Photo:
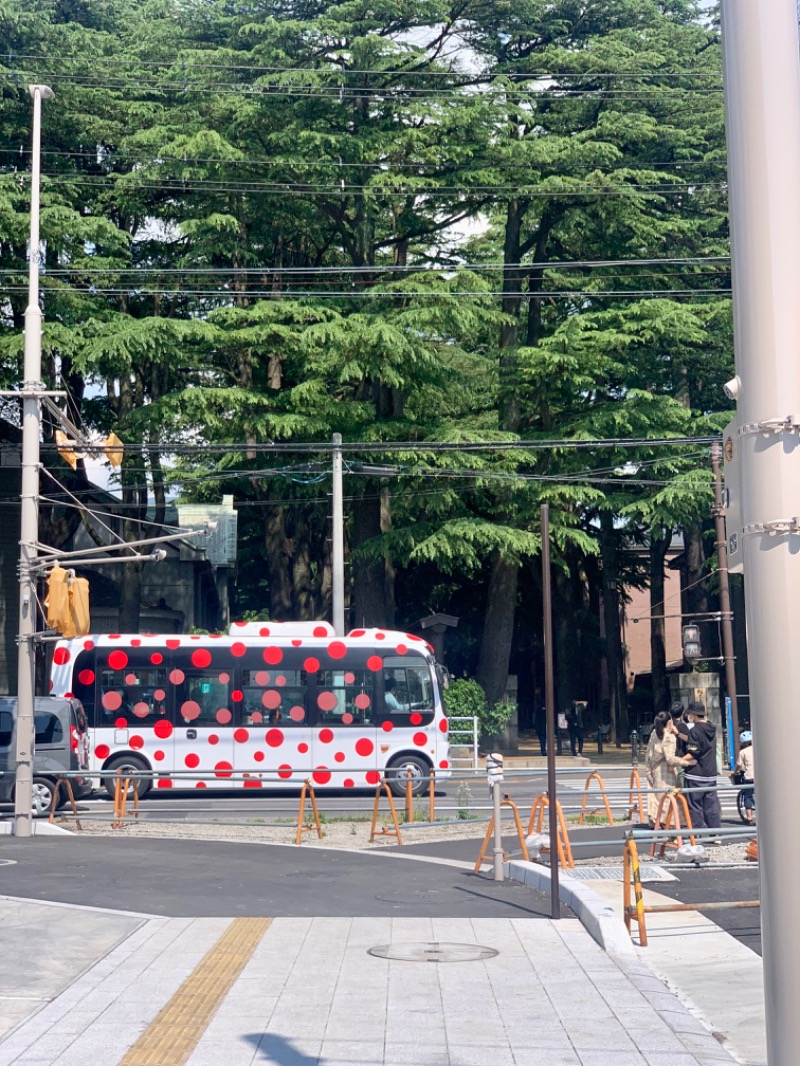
[177,1028]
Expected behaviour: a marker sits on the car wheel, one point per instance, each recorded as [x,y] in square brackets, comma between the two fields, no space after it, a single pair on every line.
[398,770]
[129,765]
[42,798]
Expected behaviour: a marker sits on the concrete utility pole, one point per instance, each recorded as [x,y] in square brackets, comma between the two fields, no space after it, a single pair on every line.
[338,538]
[718,511]
[550,712]
[762,94]
[29,497]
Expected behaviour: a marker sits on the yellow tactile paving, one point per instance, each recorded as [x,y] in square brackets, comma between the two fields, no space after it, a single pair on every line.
[174,1033]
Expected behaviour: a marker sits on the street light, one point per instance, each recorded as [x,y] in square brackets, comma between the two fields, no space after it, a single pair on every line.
[29,498]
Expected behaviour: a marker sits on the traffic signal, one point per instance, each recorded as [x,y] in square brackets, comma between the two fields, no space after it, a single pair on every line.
[79,622]
[66,449]
[56,600]
[114,449]
[691,643]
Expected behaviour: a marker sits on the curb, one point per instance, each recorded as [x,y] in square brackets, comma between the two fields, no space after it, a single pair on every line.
[40,829]
[597,918]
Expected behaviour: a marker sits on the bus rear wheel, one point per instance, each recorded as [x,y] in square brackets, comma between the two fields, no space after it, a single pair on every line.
[398,771]
[129,765]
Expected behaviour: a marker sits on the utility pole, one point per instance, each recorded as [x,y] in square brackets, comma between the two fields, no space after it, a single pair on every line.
[550,713]
[762,97]
[718,511]
[29,496]
[338,538]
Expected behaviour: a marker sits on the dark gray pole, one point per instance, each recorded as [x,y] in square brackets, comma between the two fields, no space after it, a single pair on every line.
[725,593]
[337,562]
[550,711]
[761,54]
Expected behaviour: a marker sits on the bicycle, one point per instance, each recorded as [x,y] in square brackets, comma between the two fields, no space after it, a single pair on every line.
[740,798]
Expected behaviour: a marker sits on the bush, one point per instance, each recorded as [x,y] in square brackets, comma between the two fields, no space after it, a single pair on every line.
[465,697]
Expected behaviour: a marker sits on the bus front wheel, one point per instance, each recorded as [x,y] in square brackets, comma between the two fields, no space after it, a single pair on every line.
[129,765]
[398,771]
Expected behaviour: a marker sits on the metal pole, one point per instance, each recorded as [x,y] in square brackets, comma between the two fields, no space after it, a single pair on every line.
[761,54]
[550,713]
[718,511]
[29,496]
[499,872]
[338,538]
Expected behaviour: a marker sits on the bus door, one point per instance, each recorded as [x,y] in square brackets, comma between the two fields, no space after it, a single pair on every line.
[204,734]
[274,740]
[346,749]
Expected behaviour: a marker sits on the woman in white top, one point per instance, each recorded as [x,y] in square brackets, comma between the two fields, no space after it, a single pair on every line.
[745,766]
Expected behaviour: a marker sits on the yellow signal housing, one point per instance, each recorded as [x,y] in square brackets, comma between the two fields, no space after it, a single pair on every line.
[57,599]
[114,449]
[79,622]
[66,449]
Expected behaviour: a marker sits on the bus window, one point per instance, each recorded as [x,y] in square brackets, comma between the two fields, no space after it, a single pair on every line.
[345,697]
[408,697]
[137,694]
[274,697]
[203,698]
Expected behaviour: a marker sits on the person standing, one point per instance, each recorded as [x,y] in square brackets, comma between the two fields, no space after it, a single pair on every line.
[700,768]
[540,724]
[662,763]
[575,726]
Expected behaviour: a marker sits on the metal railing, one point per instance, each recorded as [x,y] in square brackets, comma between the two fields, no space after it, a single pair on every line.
[466,727]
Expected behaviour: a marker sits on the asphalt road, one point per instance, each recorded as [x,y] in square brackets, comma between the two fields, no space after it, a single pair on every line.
[181,878]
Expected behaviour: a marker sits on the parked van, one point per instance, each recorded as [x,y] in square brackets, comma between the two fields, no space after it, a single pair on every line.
[61,746]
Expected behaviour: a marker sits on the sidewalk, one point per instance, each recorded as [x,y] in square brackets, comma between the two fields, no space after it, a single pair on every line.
[307,992]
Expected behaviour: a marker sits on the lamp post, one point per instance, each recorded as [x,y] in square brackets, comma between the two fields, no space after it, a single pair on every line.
[29,497]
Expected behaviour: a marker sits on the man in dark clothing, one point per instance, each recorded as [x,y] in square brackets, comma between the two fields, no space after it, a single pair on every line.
[700,744]
[540,724]
[575,726]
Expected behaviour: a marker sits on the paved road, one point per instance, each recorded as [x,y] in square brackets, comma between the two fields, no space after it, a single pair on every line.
[210,879]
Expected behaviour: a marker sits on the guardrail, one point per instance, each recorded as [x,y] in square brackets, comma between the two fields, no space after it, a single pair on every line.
[469,729]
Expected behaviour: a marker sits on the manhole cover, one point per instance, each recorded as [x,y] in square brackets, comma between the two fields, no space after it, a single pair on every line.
[433,952]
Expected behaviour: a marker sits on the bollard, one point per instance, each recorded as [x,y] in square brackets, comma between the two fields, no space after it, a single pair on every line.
[634,748]
[409,798]
[494,773]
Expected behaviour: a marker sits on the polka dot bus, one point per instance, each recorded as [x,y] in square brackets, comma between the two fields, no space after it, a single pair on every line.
[265,707]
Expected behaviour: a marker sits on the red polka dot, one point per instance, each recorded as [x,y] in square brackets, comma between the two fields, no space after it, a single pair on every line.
[296,643]
[201,657]
[415,718]
[322,775]
[238,649]
[274,738]
[237,695]
[192,760]
[173,643]
[443,727]
[271,699]
[223,716]
[302,748]
[272,655]
[280,680]
[177,677]
[373,777]
[141,710]
[241,736]
[362,701]
[349,678]
[357,632]
[256,717]
[349,783]
[135,642]
[114,636]
[374,662]
[61,656]
[320,631]
[401,649]
[158,755]
[159,694]
[325,736]
[444,764]
[213,738]
[339,756]
[164,782]
[297,713]
[347,718]
[251,783]
[121,723]
[284,771]
[86,677]
[387,727]
[163,729]
[190,710]
[131,679]
[157,658]
[420,740]
[380,636]
[224,678]
[88,645]
[112,701]
[311,665]
[259,756]
[262,677]
[102,751]
[223,769]
[118,660]
[201,784]
[337,650]
[364,747]
[136,742]
[264,631]
[326,701]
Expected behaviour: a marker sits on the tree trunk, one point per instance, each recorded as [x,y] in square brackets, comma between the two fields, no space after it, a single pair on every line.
[278,560]
[130,586]
[611,617]
[498,628]
[659,546]
[370,606]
